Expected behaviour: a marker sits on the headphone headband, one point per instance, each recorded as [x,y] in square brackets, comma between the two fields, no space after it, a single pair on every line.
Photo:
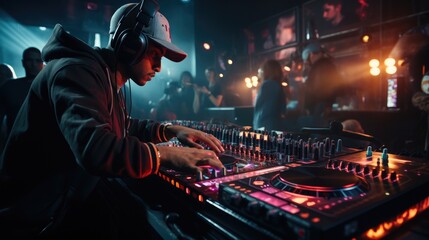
[130,42]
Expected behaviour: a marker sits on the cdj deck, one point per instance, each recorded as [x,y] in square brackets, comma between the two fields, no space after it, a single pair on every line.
[285,186]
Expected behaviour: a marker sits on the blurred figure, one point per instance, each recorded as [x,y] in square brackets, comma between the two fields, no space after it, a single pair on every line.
[207,97]
[6,73]
[13,93]
[270,102]
[420,100]
[333,12]
[322,82]
[169,105]
[187,95]
[285,33]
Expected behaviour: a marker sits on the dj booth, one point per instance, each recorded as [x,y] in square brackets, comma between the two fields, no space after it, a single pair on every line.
[315,184]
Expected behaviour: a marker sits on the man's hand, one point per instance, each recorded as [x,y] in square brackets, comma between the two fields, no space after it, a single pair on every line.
[195,138]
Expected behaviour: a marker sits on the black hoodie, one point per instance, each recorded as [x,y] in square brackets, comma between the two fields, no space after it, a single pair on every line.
[71,129]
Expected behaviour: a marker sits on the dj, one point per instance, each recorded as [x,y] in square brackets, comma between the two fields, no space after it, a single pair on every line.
[73,133]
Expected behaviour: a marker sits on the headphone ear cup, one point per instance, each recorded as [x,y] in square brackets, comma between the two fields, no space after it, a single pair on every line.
[130,47]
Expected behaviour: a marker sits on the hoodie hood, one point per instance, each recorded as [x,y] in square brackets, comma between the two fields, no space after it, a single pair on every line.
[63,45]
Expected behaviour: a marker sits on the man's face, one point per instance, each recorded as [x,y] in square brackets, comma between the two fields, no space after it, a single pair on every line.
[329,12]
[32,63]
[145,70]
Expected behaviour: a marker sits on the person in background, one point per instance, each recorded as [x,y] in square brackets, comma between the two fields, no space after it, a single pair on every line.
[73,138]
[207,97]
[333,13]
[322,81]
[13,93]
[285,33]
[169,106]
[187,95]
[270,104]
[420,100]
[6,73]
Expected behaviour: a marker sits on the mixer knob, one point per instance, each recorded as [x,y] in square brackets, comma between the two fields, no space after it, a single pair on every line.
[235,199]
[223,171]
[369,152]
[329,164]
[276,217]
[200,176]
[375,172]
[366,170]
[385,157]
[255,208]
[350,167]
[393,176]
[358,168]
[384,174]
[337,164]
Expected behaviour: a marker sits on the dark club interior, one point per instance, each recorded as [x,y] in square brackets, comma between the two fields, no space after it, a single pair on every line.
[191,119]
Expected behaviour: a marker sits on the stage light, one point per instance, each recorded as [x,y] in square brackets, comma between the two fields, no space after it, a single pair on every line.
[365,38]
[389,62]
[206,46]
[230,62]
[391,69]
[375,71]
[374,63]
[286,68]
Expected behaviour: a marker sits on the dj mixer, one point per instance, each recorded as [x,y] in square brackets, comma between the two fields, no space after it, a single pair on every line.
[303,186]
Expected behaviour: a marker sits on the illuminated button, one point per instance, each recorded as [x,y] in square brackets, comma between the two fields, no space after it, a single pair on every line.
[258,182]
[299,200]
[290,209]
[304,215]
[350,167]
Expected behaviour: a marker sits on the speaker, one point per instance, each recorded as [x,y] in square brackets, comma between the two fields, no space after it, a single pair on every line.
[130,42]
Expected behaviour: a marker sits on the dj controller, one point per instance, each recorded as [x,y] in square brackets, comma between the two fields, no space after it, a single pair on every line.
[278,185]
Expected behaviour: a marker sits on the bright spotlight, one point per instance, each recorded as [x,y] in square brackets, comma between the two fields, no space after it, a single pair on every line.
[389,62]
[391,69]
[375,71]
[206,46]
[374,63]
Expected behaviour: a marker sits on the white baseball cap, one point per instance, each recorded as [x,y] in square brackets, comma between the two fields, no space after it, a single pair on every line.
[158,29]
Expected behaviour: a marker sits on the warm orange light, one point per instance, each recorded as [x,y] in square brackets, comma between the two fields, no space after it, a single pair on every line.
[365,38]
[391,69]
[375,71]
[299,199]
[376,234]
[374,63]
[389,62]
[200,198]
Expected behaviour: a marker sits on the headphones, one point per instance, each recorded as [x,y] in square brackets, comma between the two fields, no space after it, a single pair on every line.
[130,43]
